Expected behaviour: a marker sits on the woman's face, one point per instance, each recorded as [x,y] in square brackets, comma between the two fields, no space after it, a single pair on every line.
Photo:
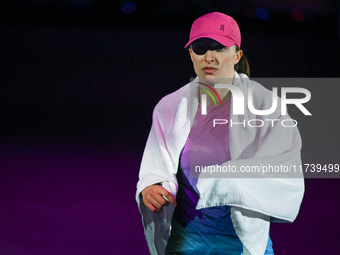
[213,60]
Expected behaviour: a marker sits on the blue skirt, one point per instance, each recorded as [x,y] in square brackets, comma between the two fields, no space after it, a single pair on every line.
[189,239]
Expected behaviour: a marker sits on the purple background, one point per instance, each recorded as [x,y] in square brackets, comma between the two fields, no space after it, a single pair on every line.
[76,100]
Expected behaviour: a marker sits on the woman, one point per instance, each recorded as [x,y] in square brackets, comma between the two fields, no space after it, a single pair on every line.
[215,215]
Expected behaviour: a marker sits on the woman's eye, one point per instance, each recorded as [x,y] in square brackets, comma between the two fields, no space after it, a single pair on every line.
[219,47]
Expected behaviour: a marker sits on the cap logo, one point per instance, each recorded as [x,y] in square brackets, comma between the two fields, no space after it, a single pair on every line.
[222,27]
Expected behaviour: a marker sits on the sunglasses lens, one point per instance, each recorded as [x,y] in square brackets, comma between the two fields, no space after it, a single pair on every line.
[200,48]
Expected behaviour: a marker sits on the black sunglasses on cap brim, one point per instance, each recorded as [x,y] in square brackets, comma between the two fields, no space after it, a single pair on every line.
[202,45]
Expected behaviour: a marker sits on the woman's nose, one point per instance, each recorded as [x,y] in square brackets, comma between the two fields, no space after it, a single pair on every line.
[210,56]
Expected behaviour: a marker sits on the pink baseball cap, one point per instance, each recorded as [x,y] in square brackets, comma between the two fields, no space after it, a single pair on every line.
[217,26]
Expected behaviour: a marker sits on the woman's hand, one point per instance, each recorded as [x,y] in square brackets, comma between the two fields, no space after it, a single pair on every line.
[155,197]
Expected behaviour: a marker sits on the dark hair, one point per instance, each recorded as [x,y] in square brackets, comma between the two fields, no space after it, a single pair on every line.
[242,66]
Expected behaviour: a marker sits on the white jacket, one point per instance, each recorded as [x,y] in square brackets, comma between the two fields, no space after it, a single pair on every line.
[254,201]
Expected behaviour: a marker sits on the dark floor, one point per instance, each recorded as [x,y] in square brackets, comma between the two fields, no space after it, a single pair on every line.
[71,202]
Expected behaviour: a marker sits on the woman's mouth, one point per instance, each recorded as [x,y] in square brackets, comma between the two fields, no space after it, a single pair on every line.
[209,70]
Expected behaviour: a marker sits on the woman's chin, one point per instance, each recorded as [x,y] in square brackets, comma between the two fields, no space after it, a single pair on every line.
[211,80]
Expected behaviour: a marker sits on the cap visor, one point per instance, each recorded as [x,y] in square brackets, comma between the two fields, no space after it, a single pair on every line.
[226,41]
